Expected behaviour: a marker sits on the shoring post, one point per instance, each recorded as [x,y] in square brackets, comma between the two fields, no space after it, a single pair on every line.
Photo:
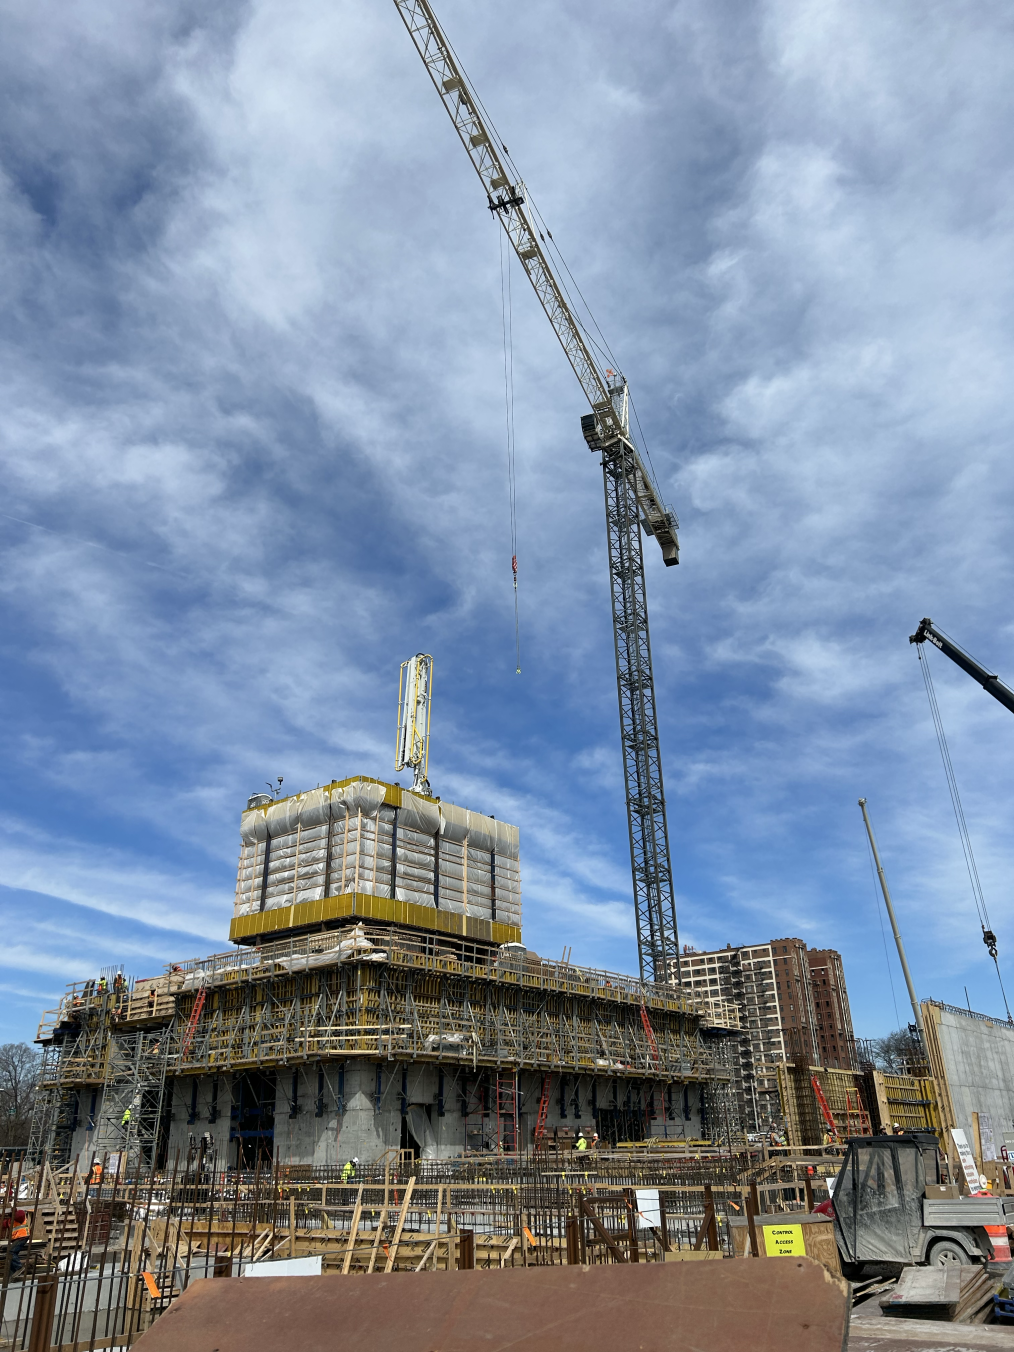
[42,1315]
[751,1215]
[635,1256]
[663,1221]
[573,1240]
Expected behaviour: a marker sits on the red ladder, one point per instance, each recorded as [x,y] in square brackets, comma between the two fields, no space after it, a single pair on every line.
[540,1122]
[822,1102]
[649,1033]
[191,1029]
[856,1116]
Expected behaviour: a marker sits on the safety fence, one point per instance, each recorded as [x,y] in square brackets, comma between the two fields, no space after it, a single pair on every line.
[109,1249]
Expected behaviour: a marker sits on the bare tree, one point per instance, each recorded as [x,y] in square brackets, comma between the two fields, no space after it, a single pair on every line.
[898,1051]
[19,1075]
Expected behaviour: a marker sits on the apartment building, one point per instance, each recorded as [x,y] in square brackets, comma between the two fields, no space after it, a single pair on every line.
[792,1004]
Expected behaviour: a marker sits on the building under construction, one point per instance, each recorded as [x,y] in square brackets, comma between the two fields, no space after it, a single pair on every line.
[378,995]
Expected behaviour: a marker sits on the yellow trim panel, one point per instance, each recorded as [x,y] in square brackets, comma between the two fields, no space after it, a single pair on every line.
[247,928]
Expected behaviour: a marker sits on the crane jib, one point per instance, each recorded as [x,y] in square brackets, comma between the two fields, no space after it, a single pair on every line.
[631,500]
[496,177]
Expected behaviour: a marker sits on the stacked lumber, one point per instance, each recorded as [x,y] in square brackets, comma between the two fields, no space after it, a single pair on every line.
[956,1295]
[976,1302]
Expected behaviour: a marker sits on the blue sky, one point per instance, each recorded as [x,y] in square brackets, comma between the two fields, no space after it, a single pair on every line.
[251,426]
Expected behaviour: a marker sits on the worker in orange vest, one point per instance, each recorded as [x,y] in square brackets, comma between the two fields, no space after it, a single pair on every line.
[16,1227]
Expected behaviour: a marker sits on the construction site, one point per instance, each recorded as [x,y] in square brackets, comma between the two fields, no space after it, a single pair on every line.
[378,997]
[375,1076]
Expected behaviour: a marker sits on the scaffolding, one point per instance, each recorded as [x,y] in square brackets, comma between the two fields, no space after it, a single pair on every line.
[378,993]
[133,1091]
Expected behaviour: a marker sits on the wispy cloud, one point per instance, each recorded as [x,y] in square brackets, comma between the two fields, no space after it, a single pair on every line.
[253,453]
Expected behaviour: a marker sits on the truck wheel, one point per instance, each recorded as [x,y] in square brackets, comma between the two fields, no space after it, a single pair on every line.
[947,1253]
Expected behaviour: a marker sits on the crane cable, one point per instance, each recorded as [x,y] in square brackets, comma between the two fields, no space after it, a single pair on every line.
[988,937]
[507,322]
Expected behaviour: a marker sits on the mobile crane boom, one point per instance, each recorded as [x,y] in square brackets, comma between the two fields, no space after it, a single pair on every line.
[927,633]
[631,496]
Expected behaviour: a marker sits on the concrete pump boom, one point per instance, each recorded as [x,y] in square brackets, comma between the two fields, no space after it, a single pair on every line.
[632,501]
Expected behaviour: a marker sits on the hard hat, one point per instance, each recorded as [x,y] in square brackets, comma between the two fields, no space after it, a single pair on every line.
[355,1159]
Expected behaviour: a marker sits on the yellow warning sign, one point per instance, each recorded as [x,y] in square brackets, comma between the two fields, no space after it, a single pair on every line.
[782,1241]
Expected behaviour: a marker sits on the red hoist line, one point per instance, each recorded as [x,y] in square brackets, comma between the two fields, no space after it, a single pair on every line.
[191,1029]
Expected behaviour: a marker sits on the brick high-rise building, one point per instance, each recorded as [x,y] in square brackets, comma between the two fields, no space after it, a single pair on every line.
[836,1042]
[792,1004]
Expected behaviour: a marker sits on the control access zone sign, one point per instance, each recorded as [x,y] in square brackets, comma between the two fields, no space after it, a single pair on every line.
[783,1241]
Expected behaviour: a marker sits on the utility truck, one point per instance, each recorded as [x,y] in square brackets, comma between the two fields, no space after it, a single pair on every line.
[890,1207]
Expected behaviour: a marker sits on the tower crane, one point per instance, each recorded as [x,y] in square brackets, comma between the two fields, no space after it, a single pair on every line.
[632,499]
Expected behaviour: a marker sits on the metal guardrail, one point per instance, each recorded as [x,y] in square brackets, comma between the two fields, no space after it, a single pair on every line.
[401,948]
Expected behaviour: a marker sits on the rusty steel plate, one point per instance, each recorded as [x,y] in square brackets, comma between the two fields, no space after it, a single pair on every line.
[739,1305]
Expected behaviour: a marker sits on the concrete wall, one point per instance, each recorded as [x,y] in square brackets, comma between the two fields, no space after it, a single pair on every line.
[214,1100]
[978,1060]
[328,1123]
[336,1118]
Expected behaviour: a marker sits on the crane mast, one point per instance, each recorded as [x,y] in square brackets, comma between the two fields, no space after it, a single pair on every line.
[632,502]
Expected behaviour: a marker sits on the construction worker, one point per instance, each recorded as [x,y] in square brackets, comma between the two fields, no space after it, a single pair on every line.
[582,1143]
[16,1227]
[96,1178]
[899,1130]
[349,1172]
[152,1000]
[103,985]
[125,1120]
[595,1140]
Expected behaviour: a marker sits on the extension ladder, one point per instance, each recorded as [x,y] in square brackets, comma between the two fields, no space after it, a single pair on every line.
[649,1033]
[540,1122]
[822,1103]
[191,1028]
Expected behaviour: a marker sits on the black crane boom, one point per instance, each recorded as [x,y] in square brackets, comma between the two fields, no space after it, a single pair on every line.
[927,633]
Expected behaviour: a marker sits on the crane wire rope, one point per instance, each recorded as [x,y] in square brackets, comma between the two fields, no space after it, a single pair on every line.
[602,347]
[988,937]
[588,329]
[507,324]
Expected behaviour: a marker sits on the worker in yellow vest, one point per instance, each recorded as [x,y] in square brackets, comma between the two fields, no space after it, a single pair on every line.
[125,1120]
[582,1143]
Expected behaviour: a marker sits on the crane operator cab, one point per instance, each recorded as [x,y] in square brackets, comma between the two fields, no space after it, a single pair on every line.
[882,1213]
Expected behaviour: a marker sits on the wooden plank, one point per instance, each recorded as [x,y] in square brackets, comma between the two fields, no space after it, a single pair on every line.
[392,1252]
[377,1239]
[352,1232]
[429,1252]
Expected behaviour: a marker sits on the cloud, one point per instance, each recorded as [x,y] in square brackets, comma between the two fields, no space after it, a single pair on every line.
[253,450]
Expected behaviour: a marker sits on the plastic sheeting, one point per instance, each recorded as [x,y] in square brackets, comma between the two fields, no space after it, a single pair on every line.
[484,833]
[335,840]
